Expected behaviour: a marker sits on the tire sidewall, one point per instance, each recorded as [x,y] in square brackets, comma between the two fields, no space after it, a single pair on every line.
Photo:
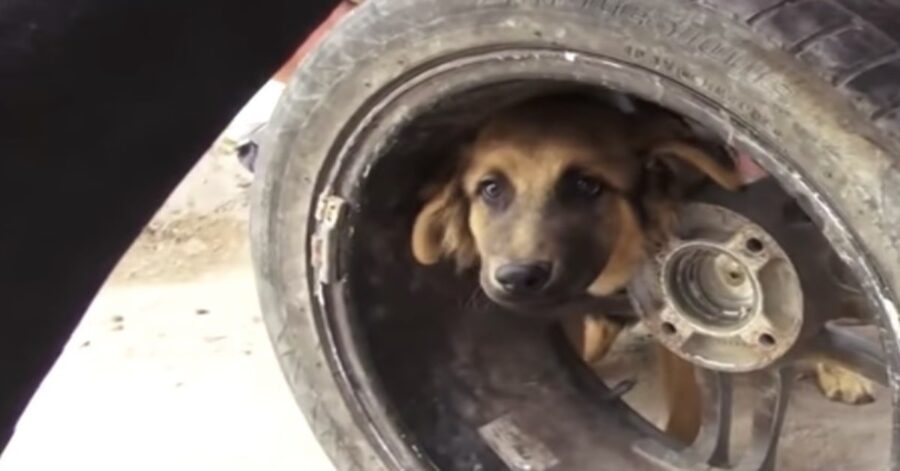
[848,162]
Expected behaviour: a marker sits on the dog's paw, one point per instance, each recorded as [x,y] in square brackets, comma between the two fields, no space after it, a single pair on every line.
[843,385]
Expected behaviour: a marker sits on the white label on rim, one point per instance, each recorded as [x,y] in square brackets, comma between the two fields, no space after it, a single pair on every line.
[518,450]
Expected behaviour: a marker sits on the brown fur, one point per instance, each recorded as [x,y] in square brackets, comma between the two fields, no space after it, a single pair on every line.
[591,336]
[627,254]
[441,228]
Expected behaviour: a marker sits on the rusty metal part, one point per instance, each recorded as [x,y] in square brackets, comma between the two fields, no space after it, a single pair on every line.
[722,294]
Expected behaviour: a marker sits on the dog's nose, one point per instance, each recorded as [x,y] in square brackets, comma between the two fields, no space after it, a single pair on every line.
[523,278]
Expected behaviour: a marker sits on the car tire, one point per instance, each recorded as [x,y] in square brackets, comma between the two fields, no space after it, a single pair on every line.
[819,78]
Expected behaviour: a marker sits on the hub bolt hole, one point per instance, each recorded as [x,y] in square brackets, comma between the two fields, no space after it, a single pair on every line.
[766,340]
[668,328]
[754,245]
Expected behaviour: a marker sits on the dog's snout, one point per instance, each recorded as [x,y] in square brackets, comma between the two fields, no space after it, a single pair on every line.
[523,278]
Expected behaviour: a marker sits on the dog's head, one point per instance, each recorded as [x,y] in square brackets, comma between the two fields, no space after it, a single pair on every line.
[543,200]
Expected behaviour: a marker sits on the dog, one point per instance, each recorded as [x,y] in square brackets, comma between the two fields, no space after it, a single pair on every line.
[559,196]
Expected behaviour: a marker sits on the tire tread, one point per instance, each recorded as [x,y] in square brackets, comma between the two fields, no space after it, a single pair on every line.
[852,44]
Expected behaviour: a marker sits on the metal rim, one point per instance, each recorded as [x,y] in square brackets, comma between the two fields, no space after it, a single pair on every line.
[728,298]
[366,135]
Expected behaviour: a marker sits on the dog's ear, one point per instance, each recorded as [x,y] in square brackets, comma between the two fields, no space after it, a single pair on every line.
[687,164]
[441,229]
[672,169]
[626,256]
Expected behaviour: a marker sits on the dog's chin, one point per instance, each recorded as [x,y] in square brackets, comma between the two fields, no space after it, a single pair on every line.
[539,306]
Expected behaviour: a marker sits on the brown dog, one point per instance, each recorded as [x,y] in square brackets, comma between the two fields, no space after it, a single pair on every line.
[558,197]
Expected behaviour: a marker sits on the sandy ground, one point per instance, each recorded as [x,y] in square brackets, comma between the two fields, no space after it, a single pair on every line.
[171,367]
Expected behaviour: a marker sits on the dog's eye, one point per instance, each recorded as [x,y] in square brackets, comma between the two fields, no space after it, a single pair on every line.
[490,190]
[588,187]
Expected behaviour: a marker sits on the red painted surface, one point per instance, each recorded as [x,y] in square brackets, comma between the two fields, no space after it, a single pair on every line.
[288,68]
[748,170]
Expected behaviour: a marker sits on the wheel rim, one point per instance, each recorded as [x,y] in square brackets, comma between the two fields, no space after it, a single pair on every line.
[340,186]
[728,298]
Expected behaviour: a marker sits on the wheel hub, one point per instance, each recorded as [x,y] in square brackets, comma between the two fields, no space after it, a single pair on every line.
[722,294]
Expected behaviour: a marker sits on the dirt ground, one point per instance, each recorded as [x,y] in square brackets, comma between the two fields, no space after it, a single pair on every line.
[172,369]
